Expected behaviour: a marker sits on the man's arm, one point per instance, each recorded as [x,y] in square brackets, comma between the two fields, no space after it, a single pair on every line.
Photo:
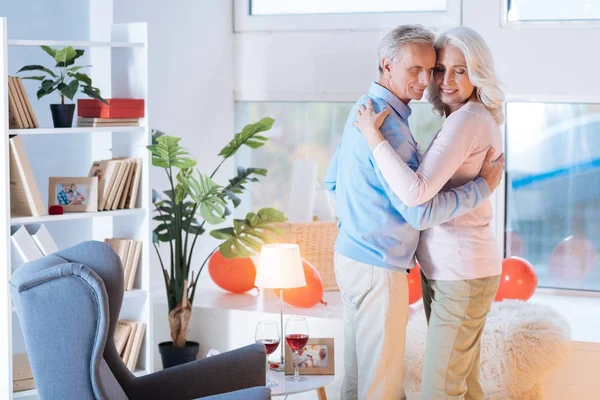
[449,204]
[331,174]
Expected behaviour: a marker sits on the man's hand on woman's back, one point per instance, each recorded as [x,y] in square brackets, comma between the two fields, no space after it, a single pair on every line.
[492,169]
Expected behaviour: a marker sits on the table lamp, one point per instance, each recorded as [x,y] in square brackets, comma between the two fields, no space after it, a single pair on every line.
[280,267]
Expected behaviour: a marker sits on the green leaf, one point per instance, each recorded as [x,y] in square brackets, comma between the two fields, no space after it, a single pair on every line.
[82,78]
[41,93]
[247,235]
[64,55]
[94,93]
[236,185]
[48,85]
[155,135]
[79,53]
[37,68]
[37,78]
[70,90]
[77,68]
[248,136]
[167,153]
[207,194]
[166,219]
[49,50]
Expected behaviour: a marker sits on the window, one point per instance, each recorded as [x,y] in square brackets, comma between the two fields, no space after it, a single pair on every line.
[346,15]
[293,7]
[553,191]
[553,10]
[312,130]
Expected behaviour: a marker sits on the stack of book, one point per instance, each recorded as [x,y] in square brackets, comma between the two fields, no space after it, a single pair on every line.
[22,374]
[106,122]
[20,112]
[129,252]
[128,340]
[118,182]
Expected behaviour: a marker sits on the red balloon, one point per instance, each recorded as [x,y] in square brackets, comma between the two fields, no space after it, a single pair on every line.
[518,281]
[414,284]
[232,274]
[309,295]
[573,259]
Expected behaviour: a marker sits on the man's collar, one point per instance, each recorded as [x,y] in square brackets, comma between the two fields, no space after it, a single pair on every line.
[379,91]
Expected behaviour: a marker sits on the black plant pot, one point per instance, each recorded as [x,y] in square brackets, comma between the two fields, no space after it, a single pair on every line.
[172,356]
[62,115]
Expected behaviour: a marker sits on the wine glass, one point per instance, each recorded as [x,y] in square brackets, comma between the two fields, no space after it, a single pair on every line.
[296,336]
[267,333]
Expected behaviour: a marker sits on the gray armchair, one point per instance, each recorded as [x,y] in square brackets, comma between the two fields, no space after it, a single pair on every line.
[68,305]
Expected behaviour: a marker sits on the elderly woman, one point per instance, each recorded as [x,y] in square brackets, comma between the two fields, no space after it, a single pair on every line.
[460,260]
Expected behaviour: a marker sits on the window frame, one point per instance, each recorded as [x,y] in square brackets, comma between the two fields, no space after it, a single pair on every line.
[244,22]
[544,24]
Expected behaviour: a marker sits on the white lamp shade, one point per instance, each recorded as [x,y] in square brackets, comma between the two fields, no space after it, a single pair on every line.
[280,267]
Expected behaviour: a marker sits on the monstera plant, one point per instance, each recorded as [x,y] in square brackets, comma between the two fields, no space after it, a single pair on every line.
[192,202]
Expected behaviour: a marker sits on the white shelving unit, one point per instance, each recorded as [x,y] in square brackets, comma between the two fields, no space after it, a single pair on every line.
[119,56]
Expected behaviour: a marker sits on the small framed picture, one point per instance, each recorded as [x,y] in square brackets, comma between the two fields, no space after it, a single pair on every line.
[316,358]
[74,193]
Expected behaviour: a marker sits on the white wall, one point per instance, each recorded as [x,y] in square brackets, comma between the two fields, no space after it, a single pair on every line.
[190,68]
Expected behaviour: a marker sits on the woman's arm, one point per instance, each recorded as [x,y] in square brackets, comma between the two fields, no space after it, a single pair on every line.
[449,150]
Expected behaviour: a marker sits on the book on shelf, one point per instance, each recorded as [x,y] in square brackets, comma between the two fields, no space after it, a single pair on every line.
[129,251]
[25,197]
[43,239]
[91,122]
[118,182]
[22,374]
[25,245]
[20,111]
[128,338]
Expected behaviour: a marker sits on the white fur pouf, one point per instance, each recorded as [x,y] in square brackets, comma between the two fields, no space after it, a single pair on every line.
[520,342]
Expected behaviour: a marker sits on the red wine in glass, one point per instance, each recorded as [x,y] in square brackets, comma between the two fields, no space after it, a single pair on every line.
[270,344]
[296,340]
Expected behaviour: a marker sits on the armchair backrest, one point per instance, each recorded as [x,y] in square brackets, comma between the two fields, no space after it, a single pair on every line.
[68,304]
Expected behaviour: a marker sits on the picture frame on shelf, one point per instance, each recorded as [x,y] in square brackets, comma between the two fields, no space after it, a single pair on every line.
[74,194]
[317,358]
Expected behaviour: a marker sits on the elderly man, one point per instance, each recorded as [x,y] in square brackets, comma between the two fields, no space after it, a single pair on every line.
[378,233]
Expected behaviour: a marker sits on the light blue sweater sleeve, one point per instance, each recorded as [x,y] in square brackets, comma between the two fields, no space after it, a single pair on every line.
[443,207]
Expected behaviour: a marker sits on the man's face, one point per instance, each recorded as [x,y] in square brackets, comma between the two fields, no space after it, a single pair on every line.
[322,353]
[408,75]
[66,187]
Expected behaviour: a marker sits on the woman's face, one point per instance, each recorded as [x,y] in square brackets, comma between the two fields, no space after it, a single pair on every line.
[451,79]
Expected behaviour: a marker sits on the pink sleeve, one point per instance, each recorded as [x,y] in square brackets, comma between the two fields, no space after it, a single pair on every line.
[449,149]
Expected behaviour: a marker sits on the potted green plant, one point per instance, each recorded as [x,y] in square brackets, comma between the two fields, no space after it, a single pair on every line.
[192,201]
[67,80]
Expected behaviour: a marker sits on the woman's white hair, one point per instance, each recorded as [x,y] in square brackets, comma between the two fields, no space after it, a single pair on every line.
[480,68]
[390,44]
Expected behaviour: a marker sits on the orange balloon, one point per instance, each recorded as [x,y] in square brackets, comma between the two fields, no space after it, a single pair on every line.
[573,259]
[414,284]
[232,274]
[309,295]
[518,280]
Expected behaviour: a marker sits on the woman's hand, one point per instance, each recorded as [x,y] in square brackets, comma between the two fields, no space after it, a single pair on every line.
[369,122]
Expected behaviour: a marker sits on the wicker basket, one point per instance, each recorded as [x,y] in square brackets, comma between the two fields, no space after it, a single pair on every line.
[316,241]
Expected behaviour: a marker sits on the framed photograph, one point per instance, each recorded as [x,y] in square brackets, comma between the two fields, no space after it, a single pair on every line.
[74,193]
[316,358]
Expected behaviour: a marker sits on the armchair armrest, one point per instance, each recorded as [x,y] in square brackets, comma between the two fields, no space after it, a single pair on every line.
[227,372]
[255,393]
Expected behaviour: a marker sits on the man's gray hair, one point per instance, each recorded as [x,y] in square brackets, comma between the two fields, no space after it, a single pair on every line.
[403,34]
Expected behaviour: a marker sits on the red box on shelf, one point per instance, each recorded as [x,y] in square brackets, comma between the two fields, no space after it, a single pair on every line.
[116,108]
